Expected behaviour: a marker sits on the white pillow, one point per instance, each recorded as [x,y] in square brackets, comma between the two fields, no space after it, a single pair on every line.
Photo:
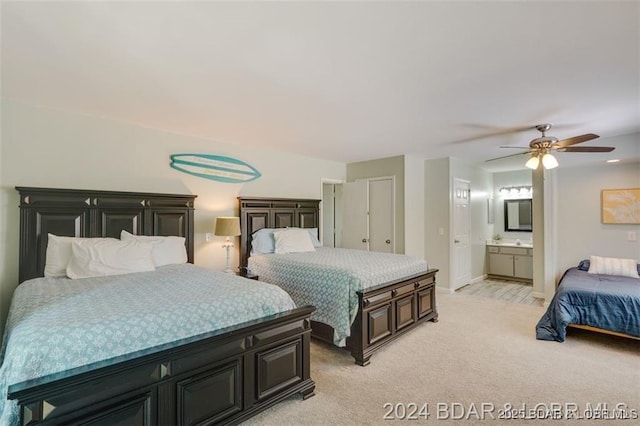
[165,250]
[313,233]
[58,254]
[98,257]
[613,266]
[263,241]
[293,241]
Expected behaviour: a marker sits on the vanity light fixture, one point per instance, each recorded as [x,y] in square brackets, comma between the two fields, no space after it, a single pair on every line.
[516,190]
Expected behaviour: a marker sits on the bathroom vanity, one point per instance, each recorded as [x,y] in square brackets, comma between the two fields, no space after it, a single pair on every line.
[510,261]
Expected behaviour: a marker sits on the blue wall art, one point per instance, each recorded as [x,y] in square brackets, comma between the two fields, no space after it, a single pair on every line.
[215,167]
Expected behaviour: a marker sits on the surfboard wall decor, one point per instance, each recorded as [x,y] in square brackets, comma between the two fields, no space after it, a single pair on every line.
[215,167]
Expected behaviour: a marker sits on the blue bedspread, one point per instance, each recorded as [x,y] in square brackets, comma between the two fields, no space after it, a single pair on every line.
[329,279]
[56,324]
[603,301]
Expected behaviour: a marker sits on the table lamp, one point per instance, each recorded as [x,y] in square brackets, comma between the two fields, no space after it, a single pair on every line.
[228,227]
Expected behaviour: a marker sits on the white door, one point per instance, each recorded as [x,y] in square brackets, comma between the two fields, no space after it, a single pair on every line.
[461,253]
[381,237]
[328,214]
[337,220]
[355,218]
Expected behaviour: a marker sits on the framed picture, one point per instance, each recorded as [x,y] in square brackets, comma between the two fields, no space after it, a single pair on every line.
[621,206]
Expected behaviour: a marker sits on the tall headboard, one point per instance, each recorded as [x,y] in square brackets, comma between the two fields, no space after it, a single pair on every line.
[87,213]
[257,213]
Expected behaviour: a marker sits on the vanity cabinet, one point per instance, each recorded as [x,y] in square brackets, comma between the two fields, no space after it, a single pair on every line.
[510,262]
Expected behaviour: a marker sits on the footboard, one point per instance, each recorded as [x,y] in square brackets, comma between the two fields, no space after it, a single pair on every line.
[224,377]
[386,312]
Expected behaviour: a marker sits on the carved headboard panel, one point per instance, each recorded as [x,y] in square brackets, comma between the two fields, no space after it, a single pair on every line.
[86,213]
[258,213]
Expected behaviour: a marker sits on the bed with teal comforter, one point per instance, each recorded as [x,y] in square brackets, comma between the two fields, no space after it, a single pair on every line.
[57,324]
[329,279]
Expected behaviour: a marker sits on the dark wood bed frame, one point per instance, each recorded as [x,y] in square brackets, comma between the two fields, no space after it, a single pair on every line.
[223,377]
[385,312]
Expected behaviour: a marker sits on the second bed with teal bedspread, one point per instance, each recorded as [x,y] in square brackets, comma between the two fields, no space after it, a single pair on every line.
[329,279]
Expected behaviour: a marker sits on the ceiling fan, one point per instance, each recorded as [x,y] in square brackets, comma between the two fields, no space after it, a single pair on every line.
[542,147]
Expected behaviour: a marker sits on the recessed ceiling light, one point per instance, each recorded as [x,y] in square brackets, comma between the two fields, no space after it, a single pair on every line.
[613,161]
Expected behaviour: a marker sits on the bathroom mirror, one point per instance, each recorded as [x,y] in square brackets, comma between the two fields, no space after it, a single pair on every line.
[518,215]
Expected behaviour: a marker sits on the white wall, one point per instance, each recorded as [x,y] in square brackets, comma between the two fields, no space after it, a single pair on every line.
[437,216]
[52,148]
[414,206]
[580,231]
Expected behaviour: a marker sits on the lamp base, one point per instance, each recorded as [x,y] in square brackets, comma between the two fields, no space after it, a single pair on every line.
[227,269]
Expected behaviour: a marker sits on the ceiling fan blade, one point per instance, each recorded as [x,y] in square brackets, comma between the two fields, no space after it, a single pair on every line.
[512,155]
[576,139]
[587,149]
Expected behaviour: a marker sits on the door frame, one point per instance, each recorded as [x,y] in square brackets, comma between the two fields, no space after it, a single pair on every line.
[337,216]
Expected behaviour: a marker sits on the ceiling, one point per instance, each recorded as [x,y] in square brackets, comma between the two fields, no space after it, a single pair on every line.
[343,81]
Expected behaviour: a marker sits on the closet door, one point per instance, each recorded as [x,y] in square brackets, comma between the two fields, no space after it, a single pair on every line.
[368,215]
[355,200]
[381,215]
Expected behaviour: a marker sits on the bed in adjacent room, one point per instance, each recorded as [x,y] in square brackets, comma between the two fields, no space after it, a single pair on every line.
[364,300]
[139,335]
[600,294]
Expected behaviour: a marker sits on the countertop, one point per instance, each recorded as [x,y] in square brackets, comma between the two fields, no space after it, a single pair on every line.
[509,244]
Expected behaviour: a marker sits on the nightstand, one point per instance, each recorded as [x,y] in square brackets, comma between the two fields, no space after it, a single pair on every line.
[248,276]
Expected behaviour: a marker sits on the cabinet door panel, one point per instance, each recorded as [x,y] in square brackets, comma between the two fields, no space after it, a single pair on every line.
[211,396]
[501,264]
[523,267]
[379,322]
[426,301]
[405,311]
[132,413]
[278,368]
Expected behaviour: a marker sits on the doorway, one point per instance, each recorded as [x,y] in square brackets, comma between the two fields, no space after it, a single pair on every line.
[461,247]
[331,214]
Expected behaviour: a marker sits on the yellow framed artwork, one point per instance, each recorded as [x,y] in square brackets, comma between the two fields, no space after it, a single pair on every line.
[621,206]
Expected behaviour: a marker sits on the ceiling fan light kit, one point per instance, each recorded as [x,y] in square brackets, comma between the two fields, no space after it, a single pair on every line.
[541,148]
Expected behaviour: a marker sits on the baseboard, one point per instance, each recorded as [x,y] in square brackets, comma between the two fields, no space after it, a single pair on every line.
[478,279]
[537,295]
[472,281]
[444,290]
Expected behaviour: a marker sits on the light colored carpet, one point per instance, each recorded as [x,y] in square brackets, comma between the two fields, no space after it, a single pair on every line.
[481,351]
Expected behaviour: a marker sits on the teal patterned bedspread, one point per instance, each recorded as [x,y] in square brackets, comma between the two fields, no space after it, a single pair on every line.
[56,324]
[330,277]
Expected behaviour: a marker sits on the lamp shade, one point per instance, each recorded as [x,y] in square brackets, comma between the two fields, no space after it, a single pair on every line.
[533,162]
[227,226]
[549,161]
